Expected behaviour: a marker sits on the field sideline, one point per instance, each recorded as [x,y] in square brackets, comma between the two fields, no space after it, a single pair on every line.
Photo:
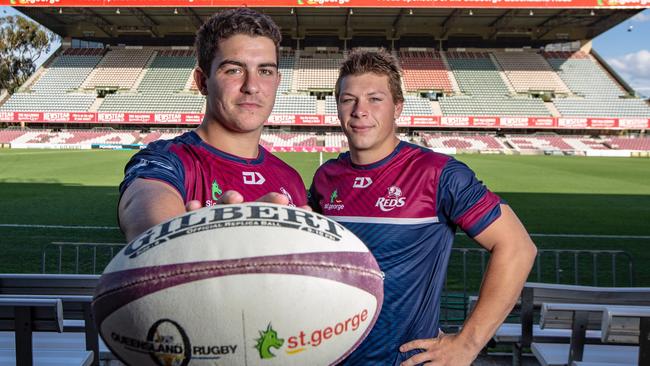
[570,202]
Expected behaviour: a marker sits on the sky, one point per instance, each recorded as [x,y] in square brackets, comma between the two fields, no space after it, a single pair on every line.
[625,47]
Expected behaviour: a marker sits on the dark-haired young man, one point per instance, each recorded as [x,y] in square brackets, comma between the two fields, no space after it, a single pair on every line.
[221,161]
[405,202]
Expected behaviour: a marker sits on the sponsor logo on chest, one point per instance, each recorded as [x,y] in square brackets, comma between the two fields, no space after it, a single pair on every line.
[391,200]
[255,178]
[362,182]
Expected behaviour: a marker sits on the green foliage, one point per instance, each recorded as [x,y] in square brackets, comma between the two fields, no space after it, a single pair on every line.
[22,42]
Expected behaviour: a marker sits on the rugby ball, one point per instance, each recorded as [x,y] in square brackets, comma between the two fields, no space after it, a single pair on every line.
[245,284]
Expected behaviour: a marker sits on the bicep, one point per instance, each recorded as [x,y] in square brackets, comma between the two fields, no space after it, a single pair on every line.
[146,203]
[506,231]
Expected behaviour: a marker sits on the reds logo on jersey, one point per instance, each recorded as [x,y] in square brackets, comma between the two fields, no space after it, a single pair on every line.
[392,200]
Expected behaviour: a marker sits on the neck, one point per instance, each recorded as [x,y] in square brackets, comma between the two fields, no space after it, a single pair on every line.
[375,154]
[244,145]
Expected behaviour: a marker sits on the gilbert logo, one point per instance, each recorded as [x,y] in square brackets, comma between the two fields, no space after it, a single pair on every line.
[391,200]
[361,182]
[253,178]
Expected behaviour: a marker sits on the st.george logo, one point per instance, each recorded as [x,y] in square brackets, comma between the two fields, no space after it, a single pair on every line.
[362,182]
[253,178]
[391,200]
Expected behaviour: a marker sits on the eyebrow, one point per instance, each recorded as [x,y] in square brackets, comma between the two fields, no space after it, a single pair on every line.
[370,94]
[241,64]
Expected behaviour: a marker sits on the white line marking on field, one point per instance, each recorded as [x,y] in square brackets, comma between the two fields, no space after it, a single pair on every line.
[590,236]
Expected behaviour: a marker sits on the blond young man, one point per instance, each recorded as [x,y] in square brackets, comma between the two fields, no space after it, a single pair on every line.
[405,202]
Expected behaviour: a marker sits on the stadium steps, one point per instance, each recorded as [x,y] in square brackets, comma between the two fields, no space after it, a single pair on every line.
[552,109]
[96,104]
[502,74]
[450,74]
[320,107]
[435,108]
[147,66]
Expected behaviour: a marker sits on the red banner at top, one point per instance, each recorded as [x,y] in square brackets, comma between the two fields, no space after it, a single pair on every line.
[503,4]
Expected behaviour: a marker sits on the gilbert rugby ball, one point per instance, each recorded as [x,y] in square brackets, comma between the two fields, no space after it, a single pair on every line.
[246,284]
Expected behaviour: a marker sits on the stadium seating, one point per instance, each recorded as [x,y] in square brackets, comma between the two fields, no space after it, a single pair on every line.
[136,102]
[120,68]
[336,140]
[492,106]
[583,75]
[68,71]
[462,142]
[424,71]
[168,72]
[528,71]
[317,70]
[622,143]
[625,107]
[294,104]
[415,106]
[476,74]
[288,140]
[32,102]
[287,62]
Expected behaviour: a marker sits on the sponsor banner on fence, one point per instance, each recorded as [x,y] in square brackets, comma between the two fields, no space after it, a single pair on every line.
[634,123]
[6,116]
[527,4]
[602,122]
[577,122]
[313,120]
[332,120]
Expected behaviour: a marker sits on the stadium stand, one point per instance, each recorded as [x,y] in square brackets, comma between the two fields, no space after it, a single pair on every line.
[424,70]
[632,107]
[315,69]
[287,62]
[270,140]
[583,76]
[69,102]
[476,74]
[119,68]
[68,71]
[529,71]
[294,104]
[462,142]
[136,102]
[336,140]
[640,143]
[492,106]
[168,72]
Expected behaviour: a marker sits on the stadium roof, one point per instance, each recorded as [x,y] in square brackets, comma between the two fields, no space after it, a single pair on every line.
[462,27]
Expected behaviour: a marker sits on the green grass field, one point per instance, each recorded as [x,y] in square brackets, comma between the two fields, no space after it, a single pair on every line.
[604,199]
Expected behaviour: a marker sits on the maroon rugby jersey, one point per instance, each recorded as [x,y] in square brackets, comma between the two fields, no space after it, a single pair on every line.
[201,172]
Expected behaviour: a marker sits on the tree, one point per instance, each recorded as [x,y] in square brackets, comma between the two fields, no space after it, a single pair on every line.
[22,42]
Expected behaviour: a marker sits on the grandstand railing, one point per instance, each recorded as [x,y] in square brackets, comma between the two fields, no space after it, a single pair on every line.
[77,257]
[613,268]
[465,271]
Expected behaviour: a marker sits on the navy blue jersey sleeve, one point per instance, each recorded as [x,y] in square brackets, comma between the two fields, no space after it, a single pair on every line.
[464,200]
[155,162]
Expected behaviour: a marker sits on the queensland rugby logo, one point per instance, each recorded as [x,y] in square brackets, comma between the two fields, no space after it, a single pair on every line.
[392,199]
[268,339]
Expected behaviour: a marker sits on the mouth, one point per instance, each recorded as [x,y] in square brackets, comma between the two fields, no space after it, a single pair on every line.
[249,105]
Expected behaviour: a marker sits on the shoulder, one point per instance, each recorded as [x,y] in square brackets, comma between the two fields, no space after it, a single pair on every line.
[422,158]
[332,166]
[162,146]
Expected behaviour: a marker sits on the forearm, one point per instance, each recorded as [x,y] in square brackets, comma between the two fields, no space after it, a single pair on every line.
[512,257]
[147,203]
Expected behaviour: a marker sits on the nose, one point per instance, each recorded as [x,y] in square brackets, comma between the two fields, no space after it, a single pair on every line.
[251,83]
[360,109]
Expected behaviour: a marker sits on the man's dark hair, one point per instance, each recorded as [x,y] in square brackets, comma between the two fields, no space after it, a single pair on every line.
[228,23]
[377,62]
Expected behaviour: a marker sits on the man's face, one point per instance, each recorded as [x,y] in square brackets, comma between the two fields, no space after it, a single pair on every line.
[242,82]
[368,112]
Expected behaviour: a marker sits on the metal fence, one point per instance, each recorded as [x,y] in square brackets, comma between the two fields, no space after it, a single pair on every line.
[613,268]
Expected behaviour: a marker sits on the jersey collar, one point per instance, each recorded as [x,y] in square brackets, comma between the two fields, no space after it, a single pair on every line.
[222,154]
[381,162]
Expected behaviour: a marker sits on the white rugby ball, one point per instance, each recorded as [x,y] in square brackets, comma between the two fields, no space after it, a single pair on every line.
[247,284]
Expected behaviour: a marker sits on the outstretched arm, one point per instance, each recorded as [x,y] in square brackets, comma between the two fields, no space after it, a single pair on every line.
[512,257]
[149,202]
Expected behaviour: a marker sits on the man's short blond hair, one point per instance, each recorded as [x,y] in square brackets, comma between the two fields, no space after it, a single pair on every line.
[377,62]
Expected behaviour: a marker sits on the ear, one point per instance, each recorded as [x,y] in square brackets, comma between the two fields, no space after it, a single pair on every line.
[398,109]
[200,78]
